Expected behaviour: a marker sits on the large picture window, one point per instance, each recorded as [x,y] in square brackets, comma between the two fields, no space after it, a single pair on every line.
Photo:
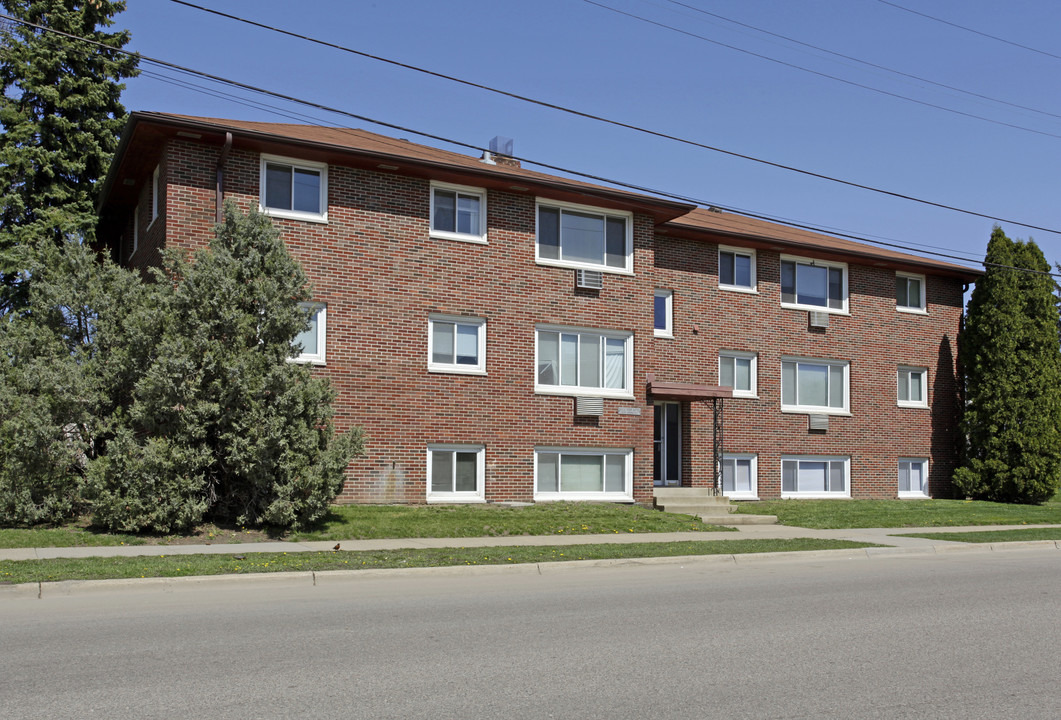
[295,189]
[455,473]
[814,385]
[583,474]
[584,362]
[813,284]
[582,237]
[806,476]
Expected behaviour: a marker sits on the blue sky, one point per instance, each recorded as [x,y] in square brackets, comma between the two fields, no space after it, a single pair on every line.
[587,57]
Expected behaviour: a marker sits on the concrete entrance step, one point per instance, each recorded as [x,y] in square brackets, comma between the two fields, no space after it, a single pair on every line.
[702,502]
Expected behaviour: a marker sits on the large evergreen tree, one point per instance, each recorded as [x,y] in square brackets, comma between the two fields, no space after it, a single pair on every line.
[61,118]
[221,424]
[1010,353]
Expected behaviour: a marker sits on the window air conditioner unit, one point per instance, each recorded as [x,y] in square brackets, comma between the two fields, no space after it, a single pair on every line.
[819,422]
[819,319]
[589,279]
[591,406]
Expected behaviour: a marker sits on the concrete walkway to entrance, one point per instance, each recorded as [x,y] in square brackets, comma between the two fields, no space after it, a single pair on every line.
[882,536]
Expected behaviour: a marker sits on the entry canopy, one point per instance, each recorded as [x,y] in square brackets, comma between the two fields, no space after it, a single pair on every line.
[686,391]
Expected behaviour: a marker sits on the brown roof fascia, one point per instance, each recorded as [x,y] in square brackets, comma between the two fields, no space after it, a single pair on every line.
[809,244]
[445,166]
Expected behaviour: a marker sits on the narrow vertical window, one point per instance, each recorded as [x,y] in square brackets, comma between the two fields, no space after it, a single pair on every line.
[663,320]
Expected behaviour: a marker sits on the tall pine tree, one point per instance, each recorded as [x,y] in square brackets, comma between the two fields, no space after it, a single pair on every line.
[1010,352]
[61,118]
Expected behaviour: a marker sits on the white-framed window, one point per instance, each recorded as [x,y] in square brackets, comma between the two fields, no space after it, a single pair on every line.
[296,189]
[456,344]
[736,269]
[583,474]
[740,476]
[577,361]
[455,473]
[811,385]
[913,386]
[811,476]
[913,478]
[813,284]
[580,236]
[663,313]
[136,230]
[458,212]
[154,195]
[910,293]
[312,339]
[739,370]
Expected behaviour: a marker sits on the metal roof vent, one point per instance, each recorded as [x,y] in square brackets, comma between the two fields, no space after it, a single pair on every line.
[818,319]
[589,406]
[501,145]
[818,422]
[589,279]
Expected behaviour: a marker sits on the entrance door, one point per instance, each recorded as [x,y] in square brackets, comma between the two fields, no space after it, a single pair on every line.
[668,445]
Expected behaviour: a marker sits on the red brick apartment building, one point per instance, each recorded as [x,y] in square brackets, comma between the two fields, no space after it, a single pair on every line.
[506,335]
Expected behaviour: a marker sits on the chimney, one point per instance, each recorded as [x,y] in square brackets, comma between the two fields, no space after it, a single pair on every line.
[501,152]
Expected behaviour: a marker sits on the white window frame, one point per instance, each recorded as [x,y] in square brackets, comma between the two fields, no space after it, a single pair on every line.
[455,496]
[154,196]
[319,357]
[815,262]
[628,267]
[668,298]
[754,287]
[753,493]
[723,355]
[466,190]
[815,493]
[627,495]
[478,323]
[817,409]
[321,216]
[626,393]
[922,309]
[909,370]
[914,494]
[136,230]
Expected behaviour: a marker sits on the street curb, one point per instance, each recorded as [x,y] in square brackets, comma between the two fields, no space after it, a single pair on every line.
[66,588]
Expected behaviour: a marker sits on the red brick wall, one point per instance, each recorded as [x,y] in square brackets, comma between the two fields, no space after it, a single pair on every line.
[381,275]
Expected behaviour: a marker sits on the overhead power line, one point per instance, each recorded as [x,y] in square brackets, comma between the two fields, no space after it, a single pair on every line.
[972,30]
[794,66]
[398,144]
[875,66]
[617,123]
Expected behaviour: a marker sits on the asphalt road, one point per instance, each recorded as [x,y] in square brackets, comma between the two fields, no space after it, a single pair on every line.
[969,635]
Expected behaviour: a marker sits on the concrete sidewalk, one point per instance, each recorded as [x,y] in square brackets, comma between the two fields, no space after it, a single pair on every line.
[881,536]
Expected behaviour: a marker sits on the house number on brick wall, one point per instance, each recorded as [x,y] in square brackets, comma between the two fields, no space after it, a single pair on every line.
[629,411]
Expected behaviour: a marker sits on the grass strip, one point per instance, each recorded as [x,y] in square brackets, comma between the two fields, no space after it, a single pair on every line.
[992,536]
[827,514]
[373,522]
[159,566]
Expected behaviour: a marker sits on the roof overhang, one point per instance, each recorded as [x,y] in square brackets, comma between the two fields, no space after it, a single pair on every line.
[145,133]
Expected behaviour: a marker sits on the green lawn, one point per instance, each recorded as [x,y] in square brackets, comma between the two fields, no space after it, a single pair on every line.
[902,513]
[162,565]
[399,521]
[993,536]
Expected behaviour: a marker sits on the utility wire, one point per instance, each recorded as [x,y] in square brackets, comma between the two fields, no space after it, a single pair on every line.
[969,29]
[783,63]
[616,123]
[639,188]
[900,73]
